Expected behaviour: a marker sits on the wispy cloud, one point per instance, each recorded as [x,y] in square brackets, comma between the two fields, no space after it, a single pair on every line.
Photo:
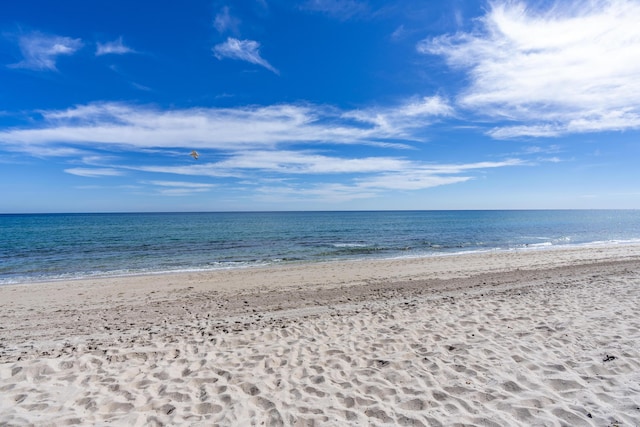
[415,176]
[403,118]
[43,151]
[94,172]
[40,51]
[224,22]
[250,127]
[291,147]
[304,162]
[324,192]
[338,9]
[574,67]
[179,188]
[116,47]
[364,175]
[243,50]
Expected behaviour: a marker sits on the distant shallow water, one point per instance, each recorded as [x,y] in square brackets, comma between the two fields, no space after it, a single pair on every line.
[37,247]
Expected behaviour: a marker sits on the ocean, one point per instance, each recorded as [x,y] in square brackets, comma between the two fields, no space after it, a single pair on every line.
[42,247]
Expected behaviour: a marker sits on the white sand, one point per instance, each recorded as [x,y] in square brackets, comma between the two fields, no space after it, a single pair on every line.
[548,338]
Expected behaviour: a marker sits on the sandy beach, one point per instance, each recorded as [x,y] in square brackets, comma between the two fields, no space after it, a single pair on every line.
[520,338]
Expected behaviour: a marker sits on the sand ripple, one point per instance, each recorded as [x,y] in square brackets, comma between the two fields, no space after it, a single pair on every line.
[547,353]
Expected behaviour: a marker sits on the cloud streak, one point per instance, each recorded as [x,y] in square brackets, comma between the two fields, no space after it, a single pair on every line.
[40,51]
[572,68]
[118,124]
[116,47]
[224,22]
[94,172]
[290,144]
[243,50]
[338,9]
[359,177]
[412,176]
[179,188]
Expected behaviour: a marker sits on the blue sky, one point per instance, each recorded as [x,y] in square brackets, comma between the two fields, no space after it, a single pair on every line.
[318,105]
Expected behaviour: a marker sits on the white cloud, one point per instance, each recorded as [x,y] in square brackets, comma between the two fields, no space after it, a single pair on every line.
[574,67]
[295,162]
[259,145]
[243,50]
[179,188]
[94,172]
[401,119]
[367,175]
[40,51]
[543,130]
[224,22]
[415,176]
[325,192]
[182,184]
[427,106]
[411,180]
[283,162]
[418,176]
[116,47]
[42,151]
[222,128]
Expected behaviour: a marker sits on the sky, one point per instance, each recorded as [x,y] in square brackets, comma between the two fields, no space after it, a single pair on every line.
[318,105]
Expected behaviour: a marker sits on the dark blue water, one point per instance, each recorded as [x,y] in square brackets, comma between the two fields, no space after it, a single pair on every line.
[55,246]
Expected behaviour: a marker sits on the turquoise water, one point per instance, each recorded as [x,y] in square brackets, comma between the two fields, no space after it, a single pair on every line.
[57,246]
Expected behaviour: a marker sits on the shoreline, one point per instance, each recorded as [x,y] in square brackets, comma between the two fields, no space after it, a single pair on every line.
[526,258]
[359,342]
[283,264]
